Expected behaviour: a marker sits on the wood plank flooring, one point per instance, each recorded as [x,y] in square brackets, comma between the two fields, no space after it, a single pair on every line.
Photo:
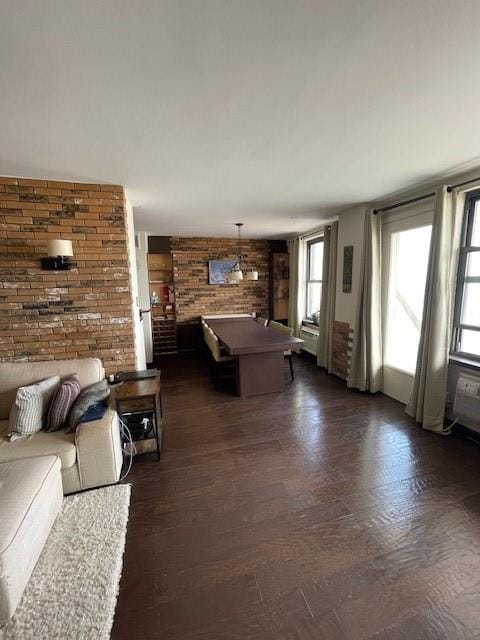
[316,513]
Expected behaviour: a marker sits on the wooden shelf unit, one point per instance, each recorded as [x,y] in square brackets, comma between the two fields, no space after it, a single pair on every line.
[164,321]
[279,286]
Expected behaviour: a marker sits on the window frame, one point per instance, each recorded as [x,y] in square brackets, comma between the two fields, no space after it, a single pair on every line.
[465,249]
[307,275]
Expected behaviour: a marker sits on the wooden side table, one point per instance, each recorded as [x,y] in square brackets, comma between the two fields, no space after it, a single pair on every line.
[141,395]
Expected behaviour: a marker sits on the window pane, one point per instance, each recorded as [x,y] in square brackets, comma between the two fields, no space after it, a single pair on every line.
[476,226]
[471,304]
[406,292]
[470,342]
[314,294]
[473,264]
[316,260]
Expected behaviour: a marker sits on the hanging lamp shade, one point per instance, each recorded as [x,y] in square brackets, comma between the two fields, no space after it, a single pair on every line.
[235,276]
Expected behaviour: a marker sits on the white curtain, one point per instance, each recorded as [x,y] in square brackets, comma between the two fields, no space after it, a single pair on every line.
[367,360]
[427,403]
[327,304]
[296,300]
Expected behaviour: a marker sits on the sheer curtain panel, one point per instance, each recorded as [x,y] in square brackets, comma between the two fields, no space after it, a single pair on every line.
[296,300]
[427,403]
[367,360]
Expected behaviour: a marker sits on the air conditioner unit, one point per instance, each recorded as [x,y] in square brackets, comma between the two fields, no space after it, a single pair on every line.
[466,405]
[310,338]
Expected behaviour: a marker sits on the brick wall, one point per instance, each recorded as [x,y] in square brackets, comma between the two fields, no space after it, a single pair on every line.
[46,315]
[194,296]
[342,348]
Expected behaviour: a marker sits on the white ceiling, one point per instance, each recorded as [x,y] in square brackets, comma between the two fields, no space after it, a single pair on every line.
[277,113]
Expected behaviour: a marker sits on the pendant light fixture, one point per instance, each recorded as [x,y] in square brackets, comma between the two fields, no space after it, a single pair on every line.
[237,274]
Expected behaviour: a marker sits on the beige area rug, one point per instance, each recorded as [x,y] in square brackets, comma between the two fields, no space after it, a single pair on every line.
[73,589]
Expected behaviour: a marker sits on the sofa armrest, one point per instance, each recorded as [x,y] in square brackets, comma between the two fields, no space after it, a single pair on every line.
[99,451]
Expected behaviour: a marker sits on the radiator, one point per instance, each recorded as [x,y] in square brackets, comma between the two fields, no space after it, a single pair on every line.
[310,336]
[466,405]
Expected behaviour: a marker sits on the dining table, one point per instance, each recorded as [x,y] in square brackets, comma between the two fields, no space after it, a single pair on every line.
[259,352]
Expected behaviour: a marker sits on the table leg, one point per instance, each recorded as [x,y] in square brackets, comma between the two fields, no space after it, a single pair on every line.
[160,404]
[158,427]
[260,373]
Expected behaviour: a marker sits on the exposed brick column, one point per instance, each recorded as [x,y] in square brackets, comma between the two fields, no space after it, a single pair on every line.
[46,315]
[342,348]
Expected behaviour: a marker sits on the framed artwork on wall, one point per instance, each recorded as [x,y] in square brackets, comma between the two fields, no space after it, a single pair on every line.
[347,269]
[218,271]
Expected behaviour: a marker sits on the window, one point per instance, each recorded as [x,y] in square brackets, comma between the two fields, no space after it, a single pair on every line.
[314,277]
[466,335]
[407,275]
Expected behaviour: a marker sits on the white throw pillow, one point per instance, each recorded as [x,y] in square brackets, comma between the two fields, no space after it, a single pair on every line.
[30,407]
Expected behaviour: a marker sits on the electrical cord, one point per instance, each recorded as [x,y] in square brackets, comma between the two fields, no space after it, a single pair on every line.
[125,432]
[449,428]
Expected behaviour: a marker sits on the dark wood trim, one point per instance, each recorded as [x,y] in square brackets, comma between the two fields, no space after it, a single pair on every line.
[465,432]
[159,244]
[464,362]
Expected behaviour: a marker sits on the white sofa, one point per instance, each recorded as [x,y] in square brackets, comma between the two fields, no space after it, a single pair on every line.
[90,457]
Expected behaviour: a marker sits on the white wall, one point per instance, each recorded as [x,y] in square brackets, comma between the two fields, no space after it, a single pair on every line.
[350,232]
[144,292]
[140,361]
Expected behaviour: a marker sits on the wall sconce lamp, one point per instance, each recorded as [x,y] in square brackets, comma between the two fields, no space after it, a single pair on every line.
[59,254]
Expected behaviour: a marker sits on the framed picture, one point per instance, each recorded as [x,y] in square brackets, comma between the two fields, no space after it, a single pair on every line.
[347,268]
[218,271]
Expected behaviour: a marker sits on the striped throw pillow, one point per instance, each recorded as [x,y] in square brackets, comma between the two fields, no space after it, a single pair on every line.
[30,406]
[62,402]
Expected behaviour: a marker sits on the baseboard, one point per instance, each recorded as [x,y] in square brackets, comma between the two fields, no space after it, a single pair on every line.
[464,432]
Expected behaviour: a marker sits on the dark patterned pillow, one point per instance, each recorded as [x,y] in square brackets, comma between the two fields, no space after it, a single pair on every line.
[62,402]
[88,396]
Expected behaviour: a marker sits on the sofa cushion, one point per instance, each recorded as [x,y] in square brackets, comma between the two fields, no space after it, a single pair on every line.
[57,443]
[19,374]
[30,407]
[30,499]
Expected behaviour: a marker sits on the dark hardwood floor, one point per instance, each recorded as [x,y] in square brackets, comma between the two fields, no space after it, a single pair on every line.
[316,513]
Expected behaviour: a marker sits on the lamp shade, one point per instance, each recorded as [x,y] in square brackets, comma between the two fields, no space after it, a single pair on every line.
[235,276]
[59,248]
[251,275]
